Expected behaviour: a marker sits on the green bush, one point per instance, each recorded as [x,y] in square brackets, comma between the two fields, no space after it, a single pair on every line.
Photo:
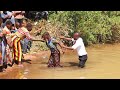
[95,26]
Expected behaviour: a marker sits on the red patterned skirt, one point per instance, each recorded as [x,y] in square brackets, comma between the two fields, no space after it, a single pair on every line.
[54,60]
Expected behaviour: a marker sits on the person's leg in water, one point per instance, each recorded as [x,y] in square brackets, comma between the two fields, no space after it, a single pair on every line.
[50,61]
[82,61]
[57,59]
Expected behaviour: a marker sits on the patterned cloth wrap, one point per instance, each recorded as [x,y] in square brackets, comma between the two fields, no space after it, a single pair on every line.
[10,38]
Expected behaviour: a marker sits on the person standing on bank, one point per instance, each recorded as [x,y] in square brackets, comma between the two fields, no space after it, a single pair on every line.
[79,46]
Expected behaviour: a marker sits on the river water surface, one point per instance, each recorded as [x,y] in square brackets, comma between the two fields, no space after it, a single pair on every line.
[103,63]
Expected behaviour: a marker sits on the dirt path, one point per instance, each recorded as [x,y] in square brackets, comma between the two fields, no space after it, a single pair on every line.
[103,62]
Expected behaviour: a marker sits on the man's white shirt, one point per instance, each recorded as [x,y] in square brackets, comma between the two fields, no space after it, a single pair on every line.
[79,46]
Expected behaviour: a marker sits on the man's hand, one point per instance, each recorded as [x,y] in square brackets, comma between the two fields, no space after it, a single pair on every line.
[62,37]
[63,46]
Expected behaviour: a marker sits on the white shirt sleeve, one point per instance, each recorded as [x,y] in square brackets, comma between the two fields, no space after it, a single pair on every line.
[77,44]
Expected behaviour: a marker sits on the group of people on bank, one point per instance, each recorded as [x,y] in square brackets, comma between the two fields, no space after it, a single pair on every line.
[14,33]
[14,38]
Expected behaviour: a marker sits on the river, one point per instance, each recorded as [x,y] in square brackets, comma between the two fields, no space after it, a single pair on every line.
[103,63]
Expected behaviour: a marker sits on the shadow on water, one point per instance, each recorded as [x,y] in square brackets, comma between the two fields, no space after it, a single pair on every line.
[73,64]
[26,60]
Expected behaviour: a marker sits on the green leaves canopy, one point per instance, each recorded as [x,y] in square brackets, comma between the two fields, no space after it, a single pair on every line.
[89,23]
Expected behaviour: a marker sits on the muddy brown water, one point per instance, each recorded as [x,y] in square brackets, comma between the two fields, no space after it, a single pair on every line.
[103,63]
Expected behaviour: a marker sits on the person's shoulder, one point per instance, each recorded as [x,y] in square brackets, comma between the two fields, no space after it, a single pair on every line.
[80,39]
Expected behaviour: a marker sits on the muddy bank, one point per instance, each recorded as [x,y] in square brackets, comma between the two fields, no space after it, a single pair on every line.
[16,72]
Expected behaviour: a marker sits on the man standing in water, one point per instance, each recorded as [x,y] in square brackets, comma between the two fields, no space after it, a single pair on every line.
[79,46]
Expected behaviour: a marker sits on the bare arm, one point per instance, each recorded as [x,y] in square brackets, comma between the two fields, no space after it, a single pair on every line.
[70,48]
[60,44]
[62,37]
[39,30]
[38,40]
[33,39]
[28,36]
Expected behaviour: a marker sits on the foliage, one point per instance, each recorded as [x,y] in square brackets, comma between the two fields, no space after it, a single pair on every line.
[95,26]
